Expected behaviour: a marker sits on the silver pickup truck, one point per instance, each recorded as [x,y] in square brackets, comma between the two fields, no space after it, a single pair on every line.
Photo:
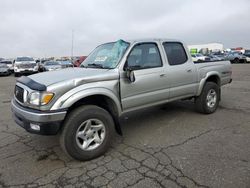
[84,104]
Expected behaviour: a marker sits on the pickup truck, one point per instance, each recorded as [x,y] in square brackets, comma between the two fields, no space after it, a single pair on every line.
[84,105]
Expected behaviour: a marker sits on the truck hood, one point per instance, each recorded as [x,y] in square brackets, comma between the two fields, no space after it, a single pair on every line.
[76,75]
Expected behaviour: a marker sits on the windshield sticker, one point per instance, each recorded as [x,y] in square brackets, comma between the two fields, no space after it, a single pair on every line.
[101,58]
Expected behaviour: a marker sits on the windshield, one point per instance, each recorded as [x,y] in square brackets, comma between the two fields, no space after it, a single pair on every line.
[50,63]
[24,59]
[6,62]
[106,56]
[247,54]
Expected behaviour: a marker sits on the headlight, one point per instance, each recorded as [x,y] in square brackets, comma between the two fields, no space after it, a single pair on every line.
[38,98]
[36,68]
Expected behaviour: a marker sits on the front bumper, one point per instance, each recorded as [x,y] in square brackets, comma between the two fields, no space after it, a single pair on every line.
[5,73]
[49,122]
[26,71]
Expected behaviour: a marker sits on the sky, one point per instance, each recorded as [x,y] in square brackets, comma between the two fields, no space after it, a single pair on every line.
[43,28]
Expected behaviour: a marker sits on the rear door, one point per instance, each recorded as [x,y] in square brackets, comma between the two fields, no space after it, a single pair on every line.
[150,84]
[181,71]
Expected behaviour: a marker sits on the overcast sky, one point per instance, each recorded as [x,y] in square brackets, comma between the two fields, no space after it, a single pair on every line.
[43,28]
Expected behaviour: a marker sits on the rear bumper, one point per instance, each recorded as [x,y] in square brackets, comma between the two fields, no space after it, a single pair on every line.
[49,123]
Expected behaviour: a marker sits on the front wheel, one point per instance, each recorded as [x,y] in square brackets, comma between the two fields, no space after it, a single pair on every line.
[208,100]
[87,132]
[237,60]
[16,74]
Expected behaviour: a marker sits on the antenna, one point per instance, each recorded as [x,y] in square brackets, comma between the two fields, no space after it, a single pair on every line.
[72,45]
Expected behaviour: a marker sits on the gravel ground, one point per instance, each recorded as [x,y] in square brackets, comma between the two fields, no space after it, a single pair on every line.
[166,146]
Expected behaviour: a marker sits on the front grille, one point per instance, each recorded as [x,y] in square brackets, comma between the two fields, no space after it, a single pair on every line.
[25,66]
[19,93]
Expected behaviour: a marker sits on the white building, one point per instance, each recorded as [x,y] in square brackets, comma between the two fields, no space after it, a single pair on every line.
[209,46]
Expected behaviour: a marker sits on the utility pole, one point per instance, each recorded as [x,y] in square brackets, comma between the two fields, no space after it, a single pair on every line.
[72,46]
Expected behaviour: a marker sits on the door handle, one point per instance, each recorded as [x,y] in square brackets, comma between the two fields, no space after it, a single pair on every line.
[162,75]
[189,70]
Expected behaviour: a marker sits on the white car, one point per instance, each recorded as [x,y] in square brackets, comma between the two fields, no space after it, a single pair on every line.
[247,54]
[247,59]
[25,65]
[9,63]
[199,57]
[4,69]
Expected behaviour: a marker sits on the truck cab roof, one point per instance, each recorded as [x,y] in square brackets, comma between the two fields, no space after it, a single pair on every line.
[152,40]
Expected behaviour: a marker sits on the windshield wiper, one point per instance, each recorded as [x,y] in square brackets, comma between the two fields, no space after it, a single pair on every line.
[95,65]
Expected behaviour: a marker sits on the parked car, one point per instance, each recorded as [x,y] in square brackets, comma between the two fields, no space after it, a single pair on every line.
[79,61]
[219,54]
[199,57]
[84,105]
[236,57]
[25,65]
[9,63]
[4,69]
[52,66]
[247,54]
[215,58]
[66,64]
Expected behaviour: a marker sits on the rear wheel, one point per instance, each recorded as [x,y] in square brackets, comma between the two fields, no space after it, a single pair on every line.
[208,100]
[87,132]
[237,60]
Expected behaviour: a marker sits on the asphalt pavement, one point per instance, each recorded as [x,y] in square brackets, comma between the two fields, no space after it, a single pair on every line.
[166,146]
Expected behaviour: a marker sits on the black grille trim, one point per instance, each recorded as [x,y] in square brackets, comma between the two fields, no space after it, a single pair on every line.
[19,93]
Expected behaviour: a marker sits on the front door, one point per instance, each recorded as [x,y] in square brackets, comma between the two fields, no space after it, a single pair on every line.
[150,85]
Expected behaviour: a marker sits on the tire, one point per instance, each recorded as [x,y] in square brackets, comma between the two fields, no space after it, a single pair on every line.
[237,60]
[77,122]
[202,104]
[17,74]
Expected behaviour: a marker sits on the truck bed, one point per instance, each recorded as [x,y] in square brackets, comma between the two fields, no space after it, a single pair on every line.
[223,68]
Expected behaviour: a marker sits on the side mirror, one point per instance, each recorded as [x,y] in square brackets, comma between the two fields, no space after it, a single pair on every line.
[130,75]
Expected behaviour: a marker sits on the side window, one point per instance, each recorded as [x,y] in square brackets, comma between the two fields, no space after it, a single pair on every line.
[144,56]
[175,52]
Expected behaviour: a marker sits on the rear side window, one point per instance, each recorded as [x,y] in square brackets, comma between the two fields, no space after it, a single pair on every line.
[175,52]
